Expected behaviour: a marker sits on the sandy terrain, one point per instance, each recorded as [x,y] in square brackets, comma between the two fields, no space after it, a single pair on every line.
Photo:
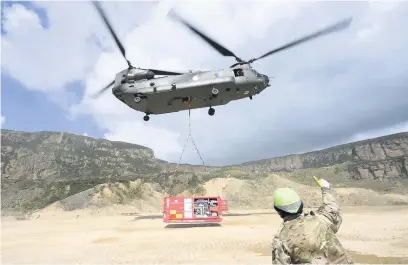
[64,238]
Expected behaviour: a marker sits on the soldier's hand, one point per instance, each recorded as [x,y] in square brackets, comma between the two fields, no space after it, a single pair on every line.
[322,182]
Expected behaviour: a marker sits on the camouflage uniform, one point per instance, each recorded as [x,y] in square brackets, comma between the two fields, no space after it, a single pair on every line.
[310,237]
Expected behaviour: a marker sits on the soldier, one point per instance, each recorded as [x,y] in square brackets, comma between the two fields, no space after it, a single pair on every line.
[308,237]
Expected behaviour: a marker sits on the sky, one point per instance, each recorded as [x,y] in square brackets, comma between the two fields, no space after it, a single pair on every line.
[344,87]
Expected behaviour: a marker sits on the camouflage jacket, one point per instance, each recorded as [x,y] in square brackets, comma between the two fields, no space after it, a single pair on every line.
[311,237]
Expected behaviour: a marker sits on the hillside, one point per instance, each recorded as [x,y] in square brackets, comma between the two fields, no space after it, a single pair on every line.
[44,167]
[379,158]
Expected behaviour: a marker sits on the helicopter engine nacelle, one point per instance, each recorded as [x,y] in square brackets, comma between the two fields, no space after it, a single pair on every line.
[137,74]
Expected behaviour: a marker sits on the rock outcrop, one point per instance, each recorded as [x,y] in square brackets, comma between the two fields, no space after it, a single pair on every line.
[378,159]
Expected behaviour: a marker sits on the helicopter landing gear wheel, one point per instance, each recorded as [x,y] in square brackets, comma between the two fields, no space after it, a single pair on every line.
[214,91]
[146,118]
[137,99]
[211,112]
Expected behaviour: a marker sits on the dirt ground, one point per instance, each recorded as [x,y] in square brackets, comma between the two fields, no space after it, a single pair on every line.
[372,234]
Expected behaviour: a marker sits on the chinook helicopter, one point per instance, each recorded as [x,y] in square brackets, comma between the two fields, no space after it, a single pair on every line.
[142,91]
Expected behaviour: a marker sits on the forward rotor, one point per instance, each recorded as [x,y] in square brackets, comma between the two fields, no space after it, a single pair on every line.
[340,25]
[218,47]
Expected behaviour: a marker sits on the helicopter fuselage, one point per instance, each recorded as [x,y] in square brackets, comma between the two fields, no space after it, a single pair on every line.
[141,91]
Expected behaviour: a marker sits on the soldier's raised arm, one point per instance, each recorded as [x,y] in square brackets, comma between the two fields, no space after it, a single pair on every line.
[330,210]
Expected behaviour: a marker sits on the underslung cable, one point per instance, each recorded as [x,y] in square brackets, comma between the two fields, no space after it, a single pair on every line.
[188,138]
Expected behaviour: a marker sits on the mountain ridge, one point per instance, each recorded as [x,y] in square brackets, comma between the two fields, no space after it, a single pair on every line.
[333,148]
[123,144]
[39,168]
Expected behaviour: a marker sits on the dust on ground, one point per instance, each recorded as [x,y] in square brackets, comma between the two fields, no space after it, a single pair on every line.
[377,234]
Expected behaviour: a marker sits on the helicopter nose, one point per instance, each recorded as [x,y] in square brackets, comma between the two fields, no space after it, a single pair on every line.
[266,78]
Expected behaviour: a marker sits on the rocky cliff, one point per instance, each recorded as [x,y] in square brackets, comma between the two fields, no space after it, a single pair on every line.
[53,157]
[42,167]
[378,159]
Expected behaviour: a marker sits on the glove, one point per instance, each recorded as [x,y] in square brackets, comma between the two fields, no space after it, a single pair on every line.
[322,183]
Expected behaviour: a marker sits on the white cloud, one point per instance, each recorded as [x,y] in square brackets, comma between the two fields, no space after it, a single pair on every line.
[48,59]
[2,120]
[85,134]
[323,93]
[37,66]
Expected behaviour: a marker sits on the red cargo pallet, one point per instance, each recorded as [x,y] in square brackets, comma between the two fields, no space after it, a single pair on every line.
[203,209]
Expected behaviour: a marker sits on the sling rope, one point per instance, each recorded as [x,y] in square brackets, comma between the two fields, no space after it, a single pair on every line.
[188,138]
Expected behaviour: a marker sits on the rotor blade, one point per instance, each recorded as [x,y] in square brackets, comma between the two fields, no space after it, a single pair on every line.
[161,72]
[103,90]
[343,24]
[224,51]
[108,25]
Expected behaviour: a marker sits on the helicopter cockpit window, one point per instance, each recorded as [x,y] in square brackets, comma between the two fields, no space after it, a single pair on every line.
[238,72]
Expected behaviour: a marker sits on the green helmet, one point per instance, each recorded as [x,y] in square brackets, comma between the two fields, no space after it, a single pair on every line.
[287,200]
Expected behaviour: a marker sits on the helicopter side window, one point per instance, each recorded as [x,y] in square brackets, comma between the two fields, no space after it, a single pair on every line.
[238,72]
